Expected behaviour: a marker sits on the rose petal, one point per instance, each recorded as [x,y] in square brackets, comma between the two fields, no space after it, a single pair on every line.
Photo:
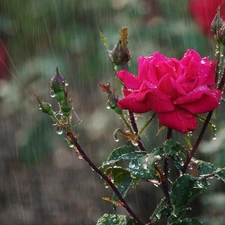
[192,96]
[179,119]
[170,87]
[128,79]
[133,105]
[206,103]
[158,101]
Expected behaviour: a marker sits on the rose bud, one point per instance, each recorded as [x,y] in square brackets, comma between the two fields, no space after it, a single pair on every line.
[45,107]
[57,85]
[216,24]
[120,53]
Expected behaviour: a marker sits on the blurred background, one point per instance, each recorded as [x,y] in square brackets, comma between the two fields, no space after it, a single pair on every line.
[41,179]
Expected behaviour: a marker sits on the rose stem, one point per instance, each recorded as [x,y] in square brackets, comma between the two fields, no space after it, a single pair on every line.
[135,128]
[168,136]
[104,177]
[184,169]
[185,166]
[165,187]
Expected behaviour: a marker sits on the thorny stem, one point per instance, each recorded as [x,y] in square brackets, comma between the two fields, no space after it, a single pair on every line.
[104,177]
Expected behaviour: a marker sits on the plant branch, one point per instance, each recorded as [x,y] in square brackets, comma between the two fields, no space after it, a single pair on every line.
[135,129]
[103,176]
[185,166]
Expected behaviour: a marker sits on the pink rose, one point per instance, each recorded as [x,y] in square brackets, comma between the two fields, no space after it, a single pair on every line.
[176,90]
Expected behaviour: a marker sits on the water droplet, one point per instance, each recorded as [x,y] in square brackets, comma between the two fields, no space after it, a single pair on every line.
[214,136]
[52,94]
[79,156]
[58,130]
[66,83]
[126,129]
[71,145]
[134,143]
[103,220]
[115,221]
[107,106]
[189,134]
[122,220]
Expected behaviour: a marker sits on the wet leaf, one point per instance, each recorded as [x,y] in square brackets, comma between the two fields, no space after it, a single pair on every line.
[123,188]
[112,219]
[175,152]
[205,168]
[184,190]
[163,210]
[122,153]
[144,167]
[220,173]
[117,174]
[187,221]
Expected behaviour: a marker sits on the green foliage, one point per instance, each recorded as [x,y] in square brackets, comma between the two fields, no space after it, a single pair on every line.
[184,190]
[162,210]
[111,219]
[187,221]
[144,167]
[175,152]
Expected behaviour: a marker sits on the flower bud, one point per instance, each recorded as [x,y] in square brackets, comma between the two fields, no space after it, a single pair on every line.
[57,85]
[216,23]
[45,107]
[66,107]
[120,53]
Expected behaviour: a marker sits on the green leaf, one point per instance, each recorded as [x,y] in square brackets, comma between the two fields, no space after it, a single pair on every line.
[220,173]
[163,210]
[118,174]
[112,219]
[175,152]
[187,221]
[205,168]
[184,190]
[144,167]
[123,188]
[122,153]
